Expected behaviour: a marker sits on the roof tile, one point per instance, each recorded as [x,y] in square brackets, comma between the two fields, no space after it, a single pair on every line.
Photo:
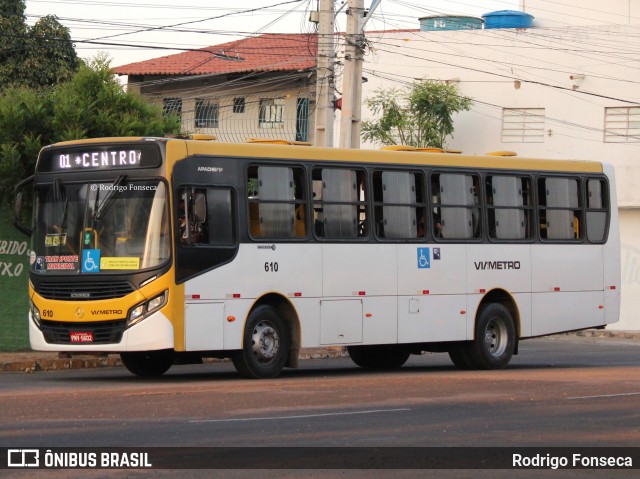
[267,52]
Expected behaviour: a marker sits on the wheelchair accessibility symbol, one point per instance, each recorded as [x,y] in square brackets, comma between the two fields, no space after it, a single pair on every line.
[424,259]
[91,261]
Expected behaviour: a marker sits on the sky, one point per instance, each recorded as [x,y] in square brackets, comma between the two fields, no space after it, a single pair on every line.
[134,30]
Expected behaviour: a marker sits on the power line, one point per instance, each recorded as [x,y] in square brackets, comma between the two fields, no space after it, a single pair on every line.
[201,20]
[558,87]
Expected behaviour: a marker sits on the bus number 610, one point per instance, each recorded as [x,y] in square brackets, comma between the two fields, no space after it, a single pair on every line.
[271,267]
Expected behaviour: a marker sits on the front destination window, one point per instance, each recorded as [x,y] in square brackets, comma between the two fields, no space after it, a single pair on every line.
[88,228]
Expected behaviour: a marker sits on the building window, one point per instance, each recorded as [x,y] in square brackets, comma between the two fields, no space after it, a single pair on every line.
[622,124]
[523,125]
[302,120]
[238,105]
[271,113]
[206,114]
[172,106]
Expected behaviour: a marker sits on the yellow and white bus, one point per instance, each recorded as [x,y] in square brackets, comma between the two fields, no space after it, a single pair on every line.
[172,250]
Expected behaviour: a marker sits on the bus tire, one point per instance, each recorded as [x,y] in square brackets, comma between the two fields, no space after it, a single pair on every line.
[458,354]
[379,357]
[265,345]
[148,363]
[495,338]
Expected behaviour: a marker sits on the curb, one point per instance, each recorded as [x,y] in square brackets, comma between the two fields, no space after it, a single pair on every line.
[603,333]
[30,365]
[27,362]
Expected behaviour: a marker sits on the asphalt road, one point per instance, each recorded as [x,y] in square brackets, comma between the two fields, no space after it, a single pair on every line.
[559,392]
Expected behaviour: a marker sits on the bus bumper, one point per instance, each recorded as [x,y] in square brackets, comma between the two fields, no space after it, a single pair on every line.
[152,333]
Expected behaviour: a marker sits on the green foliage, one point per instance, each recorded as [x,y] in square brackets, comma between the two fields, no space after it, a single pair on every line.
[93,104]
[35,56]
[420,115]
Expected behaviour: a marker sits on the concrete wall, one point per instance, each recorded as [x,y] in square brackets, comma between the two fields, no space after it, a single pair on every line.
[549,13]
[630,249]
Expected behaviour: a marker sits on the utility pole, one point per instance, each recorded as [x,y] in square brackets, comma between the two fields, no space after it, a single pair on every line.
[325,75]
[351,116]
[352,77]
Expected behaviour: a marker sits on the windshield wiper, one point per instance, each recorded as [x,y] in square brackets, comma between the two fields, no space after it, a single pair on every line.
[107,201]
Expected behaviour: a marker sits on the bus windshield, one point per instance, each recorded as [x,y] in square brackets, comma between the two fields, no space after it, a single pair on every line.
[88,228]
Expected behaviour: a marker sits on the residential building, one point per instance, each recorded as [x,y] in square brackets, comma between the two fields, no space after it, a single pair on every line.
[257,87]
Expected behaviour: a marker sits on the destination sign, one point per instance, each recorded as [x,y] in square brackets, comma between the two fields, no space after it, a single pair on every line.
[114,157]
[99,159]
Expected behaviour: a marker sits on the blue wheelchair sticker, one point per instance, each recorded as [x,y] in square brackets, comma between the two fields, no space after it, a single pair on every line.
[424,259]
[91,261]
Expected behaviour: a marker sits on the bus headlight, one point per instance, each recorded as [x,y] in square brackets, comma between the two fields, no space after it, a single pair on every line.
[35,314]
[142,310]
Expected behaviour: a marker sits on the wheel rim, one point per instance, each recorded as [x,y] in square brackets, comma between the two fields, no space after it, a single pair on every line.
[265,342]
[496,337]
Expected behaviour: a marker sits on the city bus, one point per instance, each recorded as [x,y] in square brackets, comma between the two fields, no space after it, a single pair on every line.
[170,250]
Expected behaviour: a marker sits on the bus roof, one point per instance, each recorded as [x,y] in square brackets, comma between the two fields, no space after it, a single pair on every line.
[418,158]
[415,157]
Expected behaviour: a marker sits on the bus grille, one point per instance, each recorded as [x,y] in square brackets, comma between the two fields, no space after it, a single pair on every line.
[85,291]
[107,332]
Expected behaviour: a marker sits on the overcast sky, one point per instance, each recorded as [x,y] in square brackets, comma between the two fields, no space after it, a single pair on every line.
[135,30]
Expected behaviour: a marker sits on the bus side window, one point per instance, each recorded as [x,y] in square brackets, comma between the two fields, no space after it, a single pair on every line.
[276,202]
[508,207]
[597,210]
[398,198]
[560,208]
[340,206]
[456,210]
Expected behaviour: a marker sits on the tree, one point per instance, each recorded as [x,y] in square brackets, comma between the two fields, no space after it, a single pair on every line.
[36,56]
[93,104]
[420,115]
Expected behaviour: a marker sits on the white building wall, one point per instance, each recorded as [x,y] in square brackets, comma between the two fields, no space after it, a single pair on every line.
[532,68]
[551,13]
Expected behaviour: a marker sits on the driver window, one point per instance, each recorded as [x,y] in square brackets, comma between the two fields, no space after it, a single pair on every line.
[204,216]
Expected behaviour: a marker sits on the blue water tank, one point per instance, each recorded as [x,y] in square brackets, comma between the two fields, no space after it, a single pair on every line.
[507,19]
[450,22]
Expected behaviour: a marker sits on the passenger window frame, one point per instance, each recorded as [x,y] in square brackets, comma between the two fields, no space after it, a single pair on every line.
[361,202]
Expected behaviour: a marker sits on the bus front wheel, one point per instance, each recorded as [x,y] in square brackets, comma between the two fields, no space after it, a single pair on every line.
[265,346]
[148,363]
[494,342]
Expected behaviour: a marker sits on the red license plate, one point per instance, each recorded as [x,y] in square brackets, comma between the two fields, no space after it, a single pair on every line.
[81,337]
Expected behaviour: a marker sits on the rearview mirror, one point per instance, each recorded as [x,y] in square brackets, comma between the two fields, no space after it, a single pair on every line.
[23,206]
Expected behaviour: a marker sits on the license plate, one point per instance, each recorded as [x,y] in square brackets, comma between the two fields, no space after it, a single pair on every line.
[81,337]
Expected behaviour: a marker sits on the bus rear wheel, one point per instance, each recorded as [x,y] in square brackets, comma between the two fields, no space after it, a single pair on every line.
[494,342]
[379,357]
[148,363]
[265,346]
